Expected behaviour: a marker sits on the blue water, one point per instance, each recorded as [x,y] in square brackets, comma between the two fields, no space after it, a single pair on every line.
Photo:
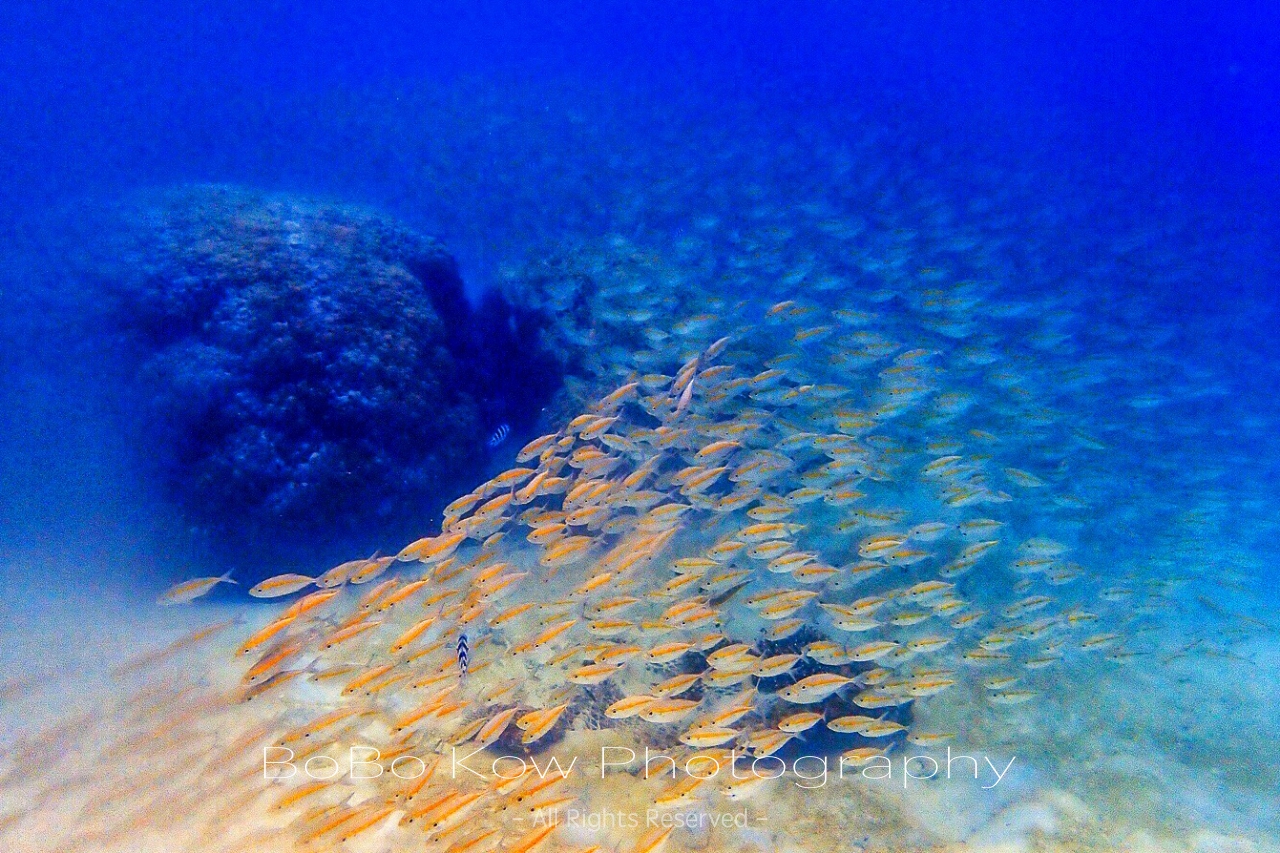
[1108,173]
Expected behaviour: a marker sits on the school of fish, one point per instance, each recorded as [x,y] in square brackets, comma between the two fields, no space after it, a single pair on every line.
[781,532]
[764,525]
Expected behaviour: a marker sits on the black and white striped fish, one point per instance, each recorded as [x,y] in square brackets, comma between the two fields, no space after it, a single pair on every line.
[464,655]
[499,436]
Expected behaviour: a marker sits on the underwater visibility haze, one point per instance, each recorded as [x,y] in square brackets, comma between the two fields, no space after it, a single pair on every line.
[624,427]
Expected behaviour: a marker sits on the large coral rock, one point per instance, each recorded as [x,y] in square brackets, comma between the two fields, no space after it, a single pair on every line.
[312,372]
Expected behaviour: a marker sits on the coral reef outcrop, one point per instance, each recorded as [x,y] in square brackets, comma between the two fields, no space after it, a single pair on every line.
[312,372]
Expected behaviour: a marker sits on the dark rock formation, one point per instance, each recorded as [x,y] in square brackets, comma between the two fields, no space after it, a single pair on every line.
[314,374]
